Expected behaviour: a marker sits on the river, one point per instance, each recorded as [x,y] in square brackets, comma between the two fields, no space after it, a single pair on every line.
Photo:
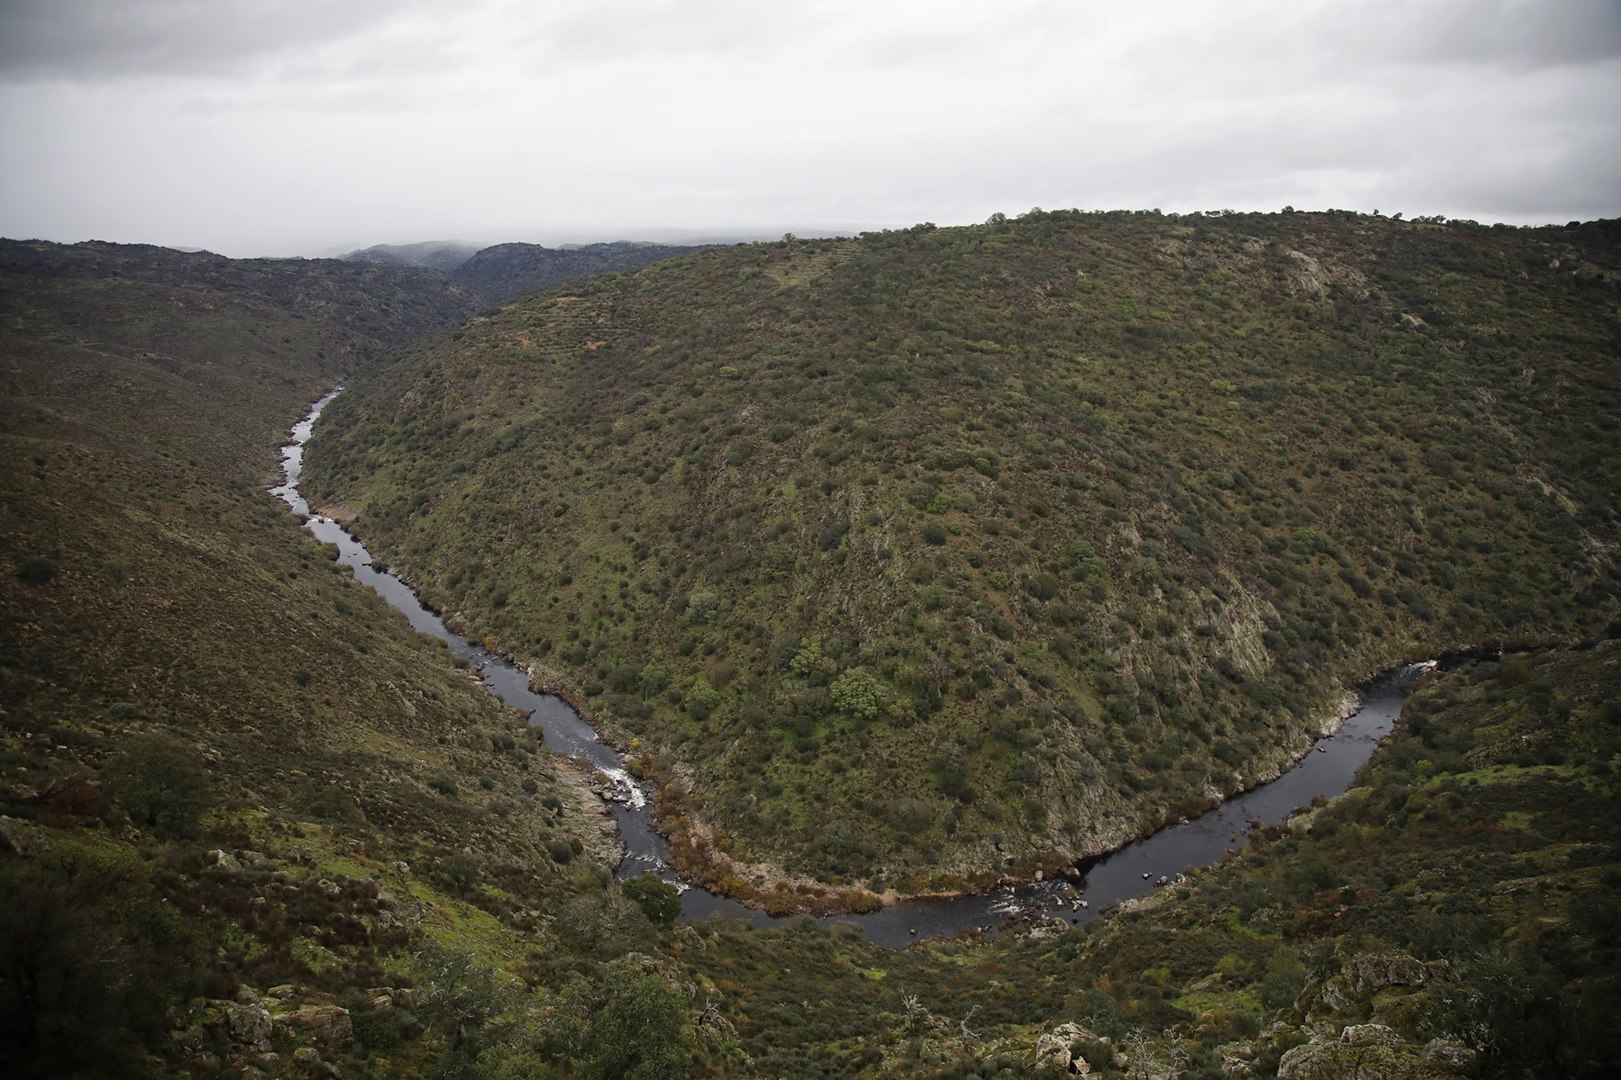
[1129,872]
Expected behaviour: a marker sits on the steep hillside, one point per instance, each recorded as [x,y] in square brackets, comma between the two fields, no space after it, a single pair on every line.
[1457,913]
[935,549]
[495,273]
[247,815]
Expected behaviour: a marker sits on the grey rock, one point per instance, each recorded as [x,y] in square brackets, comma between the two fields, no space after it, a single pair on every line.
[249,1024]
[21,838]
[325,1025]
[223,861]
[1362,1052]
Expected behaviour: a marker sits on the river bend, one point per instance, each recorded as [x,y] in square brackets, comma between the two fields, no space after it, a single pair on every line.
[1129,872]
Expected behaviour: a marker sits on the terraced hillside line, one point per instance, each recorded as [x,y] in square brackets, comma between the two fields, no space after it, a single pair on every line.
[940,549]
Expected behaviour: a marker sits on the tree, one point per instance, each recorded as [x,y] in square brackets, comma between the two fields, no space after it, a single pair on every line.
[603,925]
[639,1029]
[659,900]
[90,960]
[159,781]
[859,695]
[460,994]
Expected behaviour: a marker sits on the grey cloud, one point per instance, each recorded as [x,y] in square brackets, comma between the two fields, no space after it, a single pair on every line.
[1523,34]
[95,40]
[1511,35]
[251,126]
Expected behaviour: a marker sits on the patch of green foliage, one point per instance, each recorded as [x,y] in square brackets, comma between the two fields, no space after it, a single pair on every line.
[1407,903]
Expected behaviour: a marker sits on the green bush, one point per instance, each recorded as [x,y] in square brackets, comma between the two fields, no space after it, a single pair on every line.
[659,900]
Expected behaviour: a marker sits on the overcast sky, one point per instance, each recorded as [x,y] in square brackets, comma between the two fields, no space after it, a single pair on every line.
[306,126]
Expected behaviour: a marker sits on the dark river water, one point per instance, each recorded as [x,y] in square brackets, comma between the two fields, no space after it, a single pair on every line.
[1131,871]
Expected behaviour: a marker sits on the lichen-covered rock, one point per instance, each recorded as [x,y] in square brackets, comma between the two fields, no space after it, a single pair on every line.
[1450,1053]
[1363,1052]
[1053,1049]
[249,1024]
[1365,974]
[325,1025]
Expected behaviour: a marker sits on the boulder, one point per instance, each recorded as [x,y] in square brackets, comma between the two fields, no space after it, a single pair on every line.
[324,1025]
[223,861]
[1365,974]
[21,838]
[1053,1050]
[1450,1053]
[1369,1035]
[248,1023]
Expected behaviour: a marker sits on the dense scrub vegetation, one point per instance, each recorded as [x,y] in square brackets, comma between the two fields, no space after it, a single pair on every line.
[1458,912]
[247,816]
[932,549]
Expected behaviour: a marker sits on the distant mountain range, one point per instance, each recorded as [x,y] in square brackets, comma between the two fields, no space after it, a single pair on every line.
[503,270]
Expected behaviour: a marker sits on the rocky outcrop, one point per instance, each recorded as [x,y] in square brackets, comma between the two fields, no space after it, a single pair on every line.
[324,1025]
[248,1023]
[1054,1050]
[1365,974]
[21,838]
[1363,1052]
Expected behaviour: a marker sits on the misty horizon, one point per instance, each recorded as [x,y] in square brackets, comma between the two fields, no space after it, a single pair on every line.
[279,127]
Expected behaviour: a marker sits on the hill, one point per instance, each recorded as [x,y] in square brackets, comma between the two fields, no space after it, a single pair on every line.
[247,815]
[441,255]
[933,551]
[1453,914]
[371,306]
[496,273]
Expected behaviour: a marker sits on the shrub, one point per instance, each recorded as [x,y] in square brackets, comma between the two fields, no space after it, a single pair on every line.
[36,570]
[659,900]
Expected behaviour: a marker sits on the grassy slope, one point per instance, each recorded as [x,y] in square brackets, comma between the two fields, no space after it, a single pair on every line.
[1465,890]
[933,548]
[199,677]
